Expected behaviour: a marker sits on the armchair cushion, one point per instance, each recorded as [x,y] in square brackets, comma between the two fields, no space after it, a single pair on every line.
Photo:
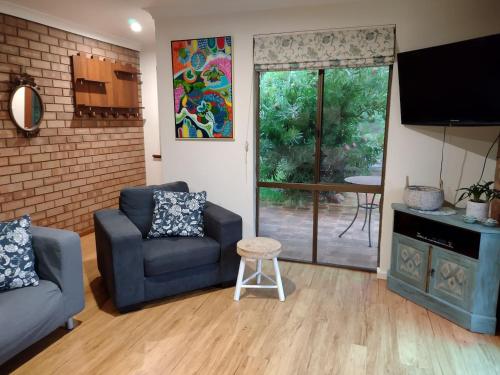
[27,315]
[177,214]
[137,203]
[168,254]
[17,260]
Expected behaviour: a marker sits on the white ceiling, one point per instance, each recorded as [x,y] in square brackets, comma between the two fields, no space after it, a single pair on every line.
[107,19]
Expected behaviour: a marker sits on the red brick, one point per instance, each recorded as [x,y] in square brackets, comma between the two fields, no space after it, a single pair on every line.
[58,51]
[14,21]
[19,159]
[12,205]
[40,64]
[4,48]
[44,190]
[67,44]
[62,186]
[34,200]
[31,167]
[11,151]
[75,38]
[30,53]
[40,157]
[21,177]
[15,41]
[28,34]
[33,183]
[57,33]
[10,170]
[44,206]
[49,40]
[39,46]
[23,194]
[41,29]
[18,60]
[51,57]
[9,188]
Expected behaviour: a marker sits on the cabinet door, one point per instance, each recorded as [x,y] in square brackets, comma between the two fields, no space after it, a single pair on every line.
[452,277]
[410,260]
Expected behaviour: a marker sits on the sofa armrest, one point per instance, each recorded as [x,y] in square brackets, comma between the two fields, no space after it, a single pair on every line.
[119,256]
[225,227]
[59,259]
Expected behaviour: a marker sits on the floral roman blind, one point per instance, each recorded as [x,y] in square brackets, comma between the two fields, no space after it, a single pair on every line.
[367,46]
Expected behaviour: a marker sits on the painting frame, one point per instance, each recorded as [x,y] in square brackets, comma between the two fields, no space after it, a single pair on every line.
[205,63]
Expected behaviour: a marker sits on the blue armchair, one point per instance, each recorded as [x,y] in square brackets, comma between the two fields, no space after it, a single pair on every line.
[136,270]
[30,313]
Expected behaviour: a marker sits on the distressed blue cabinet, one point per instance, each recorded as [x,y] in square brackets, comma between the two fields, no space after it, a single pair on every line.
[452,277]
[447,266]
[410,260]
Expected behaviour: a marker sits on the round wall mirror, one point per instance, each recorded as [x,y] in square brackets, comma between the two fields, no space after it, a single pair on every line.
[26,108]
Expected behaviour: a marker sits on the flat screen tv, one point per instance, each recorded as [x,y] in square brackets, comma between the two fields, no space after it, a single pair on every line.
[454,84]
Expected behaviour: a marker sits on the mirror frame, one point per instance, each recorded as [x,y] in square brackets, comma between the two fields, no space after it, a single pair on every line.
[27,82]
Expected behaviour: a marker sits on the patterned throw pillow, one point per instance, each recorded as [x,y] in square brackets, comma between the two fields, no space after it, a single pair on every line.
[178,214]
[17,260]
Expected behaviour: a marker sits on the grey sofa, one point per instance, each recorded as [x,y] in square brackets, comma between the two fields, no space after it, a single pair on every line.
[30,313]
[136,269]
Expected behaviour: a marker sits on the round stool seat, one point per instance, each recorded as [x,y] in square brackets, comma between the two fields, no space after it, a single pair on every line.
[259,248]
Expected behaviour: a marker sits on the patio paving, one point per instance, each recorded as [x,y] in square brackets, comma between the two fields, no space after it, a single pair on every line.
[293,227]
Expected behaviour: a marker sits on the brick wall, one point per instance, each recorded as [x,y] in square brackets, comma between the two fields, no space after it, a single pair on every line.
[74,166]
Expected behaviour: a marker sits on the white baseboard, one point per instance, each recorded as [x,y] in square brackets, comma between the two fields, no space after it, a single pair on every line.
[381,274]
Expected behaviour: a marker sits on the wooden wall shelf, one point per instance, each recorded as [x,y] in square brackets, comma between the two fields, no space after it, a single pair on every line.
[105,88]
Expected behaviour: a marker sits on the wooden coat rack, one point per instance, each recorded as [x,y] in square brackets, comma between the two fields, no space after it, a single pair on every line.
[105,88]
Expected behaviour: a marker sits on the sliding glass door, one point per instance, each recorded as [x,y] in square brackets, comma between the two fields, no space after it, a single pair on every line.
[320,142]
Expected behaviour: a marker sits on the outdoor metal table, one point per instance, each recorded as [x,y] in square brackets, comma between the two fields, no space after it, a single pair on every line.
[364,180]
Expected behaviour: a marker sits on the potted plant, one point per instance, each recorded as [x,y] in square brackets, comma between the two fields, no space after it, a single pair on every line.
[480,195]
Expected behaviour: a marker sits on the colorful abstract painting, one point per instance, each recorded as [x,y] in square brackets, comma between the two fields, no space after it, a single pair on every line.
[203,98]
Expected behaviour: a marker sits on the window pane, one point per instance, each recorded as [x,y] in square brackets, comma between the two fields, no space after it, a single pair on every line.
[354,111]
[345,231]
[288,103]
[287,216]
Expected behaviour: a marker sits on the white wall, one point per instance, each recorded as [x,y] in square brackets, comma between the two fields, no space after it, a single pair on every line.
[154,174]
[219,167]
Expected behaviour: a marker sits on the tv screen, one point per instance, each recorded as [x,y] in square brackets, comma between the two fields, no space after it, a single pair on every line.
[453,84]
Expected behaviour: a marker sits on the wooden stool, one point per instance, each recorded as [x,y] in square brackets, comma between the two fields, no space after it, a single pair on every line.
[259,248]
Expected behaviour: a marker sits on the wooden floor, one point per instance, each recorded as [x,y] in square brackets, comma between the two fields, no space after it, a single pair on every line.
[334,321]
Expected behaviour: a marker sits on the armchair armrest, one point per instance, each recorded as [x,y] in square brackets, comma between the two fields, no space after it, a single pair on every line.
[59,259]
[225,227]
[119,256]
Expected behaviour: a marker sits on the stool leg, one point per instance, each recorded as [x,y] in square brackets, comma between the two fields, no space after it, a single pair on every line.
[277,274]
[239,282]
[259,270]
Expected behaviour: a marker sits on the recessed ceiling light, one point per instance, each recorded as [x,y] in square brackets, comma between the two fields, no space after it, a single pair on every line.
[134,25]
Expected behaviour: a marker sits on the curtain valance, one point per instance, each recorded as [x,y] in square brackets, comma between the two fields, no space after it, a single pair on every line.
[367,46]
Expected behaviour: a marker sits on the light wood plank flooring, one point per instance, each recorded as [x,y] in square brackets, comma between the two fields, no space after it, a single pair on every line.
[334,321]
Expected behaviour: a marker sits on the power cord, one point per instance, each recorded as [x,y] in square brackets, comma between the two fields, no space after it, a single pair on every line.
[442,158]
[486,157]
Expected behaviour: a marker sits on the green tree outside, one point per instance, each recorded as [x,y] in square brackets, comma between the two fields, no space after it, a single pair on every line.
[354,111]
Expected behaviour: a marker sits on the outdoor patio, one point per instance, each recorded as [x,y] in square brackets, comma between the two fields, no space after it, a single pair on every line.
[293,227]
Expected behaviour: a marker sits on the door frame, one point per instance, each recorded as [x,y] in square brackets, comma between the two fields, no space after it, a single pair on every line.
[316,187]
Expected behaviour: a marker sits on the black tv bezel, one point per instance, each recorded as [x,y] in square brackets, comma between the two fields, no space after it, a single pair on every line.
[450,122]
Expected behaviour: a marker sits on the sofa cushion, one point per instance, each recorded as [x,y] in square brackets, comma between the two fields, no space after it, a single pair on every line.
[168,254]
[17,260]
[138,204]
[27,315]
[178,214]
